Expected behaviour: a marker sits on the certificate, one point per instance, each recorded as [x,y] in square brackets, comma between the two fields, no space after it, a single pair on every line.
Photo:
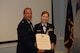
[43,41]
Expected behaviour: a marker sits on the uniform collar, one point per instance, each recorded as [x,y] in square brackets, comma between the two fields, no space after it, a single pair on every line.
[26,20]
[44,24]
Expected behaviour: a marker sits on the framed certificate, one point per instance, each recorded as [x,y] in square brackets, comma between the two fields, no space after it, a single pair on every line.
[43,41]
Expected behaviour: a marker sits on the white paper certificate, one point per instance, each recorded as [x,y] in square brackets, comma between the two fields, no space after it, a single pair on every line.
[43,41]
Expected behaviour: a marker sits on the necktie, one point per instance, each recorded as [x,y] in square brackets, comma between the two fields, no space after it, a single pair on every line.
[31,26]
[44,28]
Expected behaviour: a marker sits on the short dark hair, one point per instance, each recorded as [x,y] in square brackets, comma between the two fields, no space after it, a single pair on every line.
[25,9]
[45,12]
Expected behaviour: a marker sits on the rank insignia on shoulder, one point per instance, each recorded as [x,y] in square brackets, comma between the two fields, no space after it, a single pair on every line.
[22,21]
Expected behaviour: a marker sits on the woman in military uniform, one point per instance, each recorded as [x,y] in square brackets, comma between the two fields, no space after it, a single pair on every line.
[44,27]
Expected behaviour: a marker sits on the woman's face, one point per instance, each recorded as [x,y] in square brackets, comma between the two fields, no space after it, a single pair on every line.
[45,18]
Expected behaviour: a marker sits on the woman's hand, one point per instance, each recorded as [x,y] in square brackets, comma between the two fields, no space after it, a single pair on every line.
[52,46]
[40,51]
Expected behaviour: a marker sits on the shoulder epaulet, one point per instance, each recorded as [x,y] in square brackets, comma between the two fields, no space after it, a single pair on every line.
[22,22]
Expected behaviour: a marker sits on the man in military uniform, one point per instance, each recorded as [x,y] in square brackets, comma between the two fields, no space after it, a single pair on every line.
[46,28]
[26,38]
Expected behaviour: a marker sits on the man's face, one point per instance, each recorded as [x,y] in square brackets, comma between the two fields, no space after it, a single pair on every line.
[28,14]
[44,18]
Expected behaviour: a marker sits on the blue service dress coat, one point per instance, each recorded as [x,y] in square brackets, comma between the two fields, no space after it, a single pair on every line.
[38,28]
[26,38]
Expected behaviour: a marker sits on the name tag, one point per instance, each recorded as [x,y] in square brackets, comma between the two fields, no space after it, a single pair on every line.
[38,30]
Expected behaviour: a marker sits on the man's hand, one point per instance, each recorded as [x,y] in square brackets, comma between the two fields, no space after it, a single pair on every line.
[40,51]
